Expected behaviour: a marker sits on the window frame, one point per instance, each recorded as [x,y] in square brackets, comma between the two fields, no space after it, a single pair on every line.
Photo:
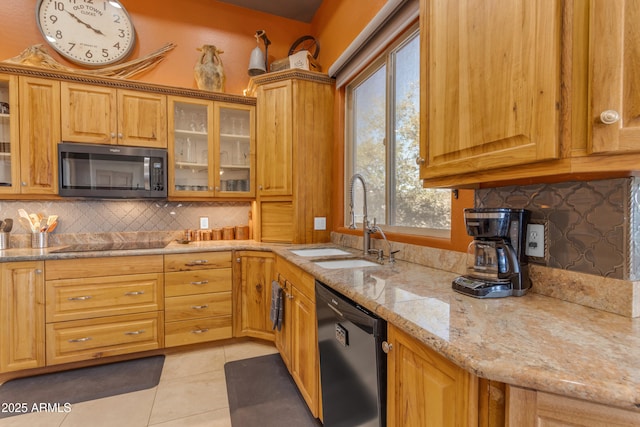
[387,59]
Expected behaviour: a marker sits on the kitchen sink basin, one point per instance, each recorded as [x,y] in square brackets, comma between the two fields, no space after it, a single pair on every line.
[346,263]
[318,252]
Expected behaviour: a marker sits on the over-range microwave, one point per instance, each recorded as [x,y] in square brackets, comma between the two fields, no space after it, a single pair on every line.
[111,171]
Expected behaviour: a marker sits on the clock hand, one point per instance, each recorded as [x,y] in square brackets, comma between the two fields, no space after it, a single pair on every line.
[85,24]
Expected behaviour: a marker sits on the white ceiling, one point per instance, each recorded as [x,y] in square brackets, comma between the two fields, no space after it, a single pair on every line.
[300,10]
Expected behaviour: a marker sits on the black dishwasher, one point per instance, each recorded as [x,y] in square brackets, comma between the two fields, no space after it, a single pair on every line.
[353,367]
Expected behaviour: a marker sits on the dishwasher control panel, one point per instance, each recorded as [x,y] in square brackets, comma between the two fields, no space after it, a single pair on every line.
[342,335]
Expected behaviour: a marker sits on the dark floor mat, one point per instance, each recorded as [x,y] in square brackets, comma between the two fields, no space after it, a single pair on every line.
[80,385]
[262,394]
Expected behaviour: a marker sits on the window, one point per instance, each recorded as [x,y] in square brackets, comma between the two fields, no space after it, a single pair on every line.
[382,143]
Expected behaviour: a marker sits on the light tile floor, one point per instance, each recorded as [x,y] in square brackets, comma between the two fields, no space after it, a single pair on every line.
[192,393]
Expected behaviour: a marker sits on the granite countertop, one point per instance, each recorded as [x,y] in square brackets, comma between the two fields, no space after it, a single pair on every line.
[532,341]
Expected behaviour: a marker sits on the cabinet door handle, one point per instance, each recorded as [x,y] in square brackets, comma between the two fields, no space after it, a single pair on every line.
[134,293]
[202,282]
[609,117]
[387,346]
[80,339]
[82,298]
[420,160]
[141,331]
[38,271]
[200,331]
[197,262]
[199,307]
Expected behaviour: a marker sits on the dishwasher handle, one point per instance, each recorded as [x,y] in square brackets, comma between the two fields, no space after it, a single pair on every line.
[338,312]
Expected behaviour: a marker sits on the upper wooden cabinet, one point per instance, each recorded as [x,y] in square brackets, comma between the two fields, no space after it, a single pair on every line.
[294,126]
[615,98]
[211,148]
[102,115]
[39,101]
[9,136]
[275,115]
[490,84]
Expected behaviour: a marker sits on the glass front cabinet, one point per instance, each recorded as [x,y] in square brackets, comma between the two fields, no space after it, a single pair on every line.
[211,148]
[9,161]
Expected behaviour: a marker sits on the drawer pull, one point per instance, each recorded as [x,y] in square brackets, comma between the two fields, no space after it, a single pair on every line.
[199,307]
[197,262]
[82,298]
[202,282]
[81,339]
[200,331]
[134,293]
[141,331]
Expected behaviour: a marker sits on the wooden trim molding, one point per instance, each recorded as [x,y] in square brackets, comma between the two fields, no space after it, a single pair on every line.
[291,74]
[124,84]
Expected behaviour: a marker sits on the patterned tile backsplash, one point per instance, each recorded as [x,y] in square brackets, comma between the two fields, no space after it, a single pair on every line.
[119,216]
[592,225]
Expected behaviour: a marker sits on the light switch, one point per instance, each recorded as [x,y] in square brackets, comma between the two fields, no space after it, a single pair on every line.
[320,223]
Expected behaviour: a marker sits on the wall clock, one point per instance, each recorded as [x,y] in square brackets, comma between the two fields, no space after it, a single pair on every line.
[92,33]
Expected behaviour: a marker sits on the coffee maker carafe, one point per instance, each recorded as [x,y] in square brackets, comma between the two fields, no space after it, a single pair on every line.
[496,261]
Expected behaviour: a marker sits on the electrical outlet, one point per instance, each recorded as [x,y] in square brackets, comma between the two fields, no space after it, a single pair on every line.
[320,223]
[535,241]
[204,222]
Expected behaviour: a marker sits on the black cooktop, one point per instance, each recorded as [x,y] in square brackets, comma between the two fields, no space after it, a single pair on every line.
[110,246]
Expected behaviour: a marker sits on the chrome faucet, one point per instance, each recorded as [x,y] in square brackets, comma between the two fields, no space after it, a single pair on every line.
[367,231]
[367,228]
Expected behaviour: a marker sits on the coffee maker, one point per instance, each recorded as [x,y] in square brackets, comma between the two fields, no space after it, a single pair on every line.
[496,262]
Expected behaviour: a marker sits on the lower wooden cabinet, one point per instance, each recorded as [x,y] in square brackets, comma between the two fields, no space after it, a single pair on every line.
[530,408]
[22,337]
[425,389]
[254,273]
[103,307]
[297,341]
[105,336]
[198,303]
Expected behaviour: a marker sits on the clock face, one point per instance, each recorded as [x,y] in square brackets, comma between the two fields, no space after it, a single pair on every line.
[88,32]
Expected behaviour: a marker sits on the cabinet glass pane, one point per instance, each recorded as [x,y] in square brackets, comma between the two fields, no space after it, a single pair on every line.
[191,154]
[5,135]
[235,150]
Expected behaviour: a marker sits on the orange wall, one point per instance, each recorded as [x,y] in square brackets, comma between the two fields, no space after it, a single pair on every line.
[338,22]
[187,23]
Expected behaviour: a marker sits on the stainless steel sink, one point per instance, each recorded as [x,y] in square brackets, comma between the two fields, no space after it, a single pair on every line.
[319,252]
[346,263]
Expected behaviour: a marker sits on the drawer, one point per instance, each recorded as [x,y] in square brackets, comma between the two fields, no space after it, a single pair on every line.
[71,299]
[103,266]
[197,306]
[197,282]
[195,331]
[197,261]
[301,279]
[96,338]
